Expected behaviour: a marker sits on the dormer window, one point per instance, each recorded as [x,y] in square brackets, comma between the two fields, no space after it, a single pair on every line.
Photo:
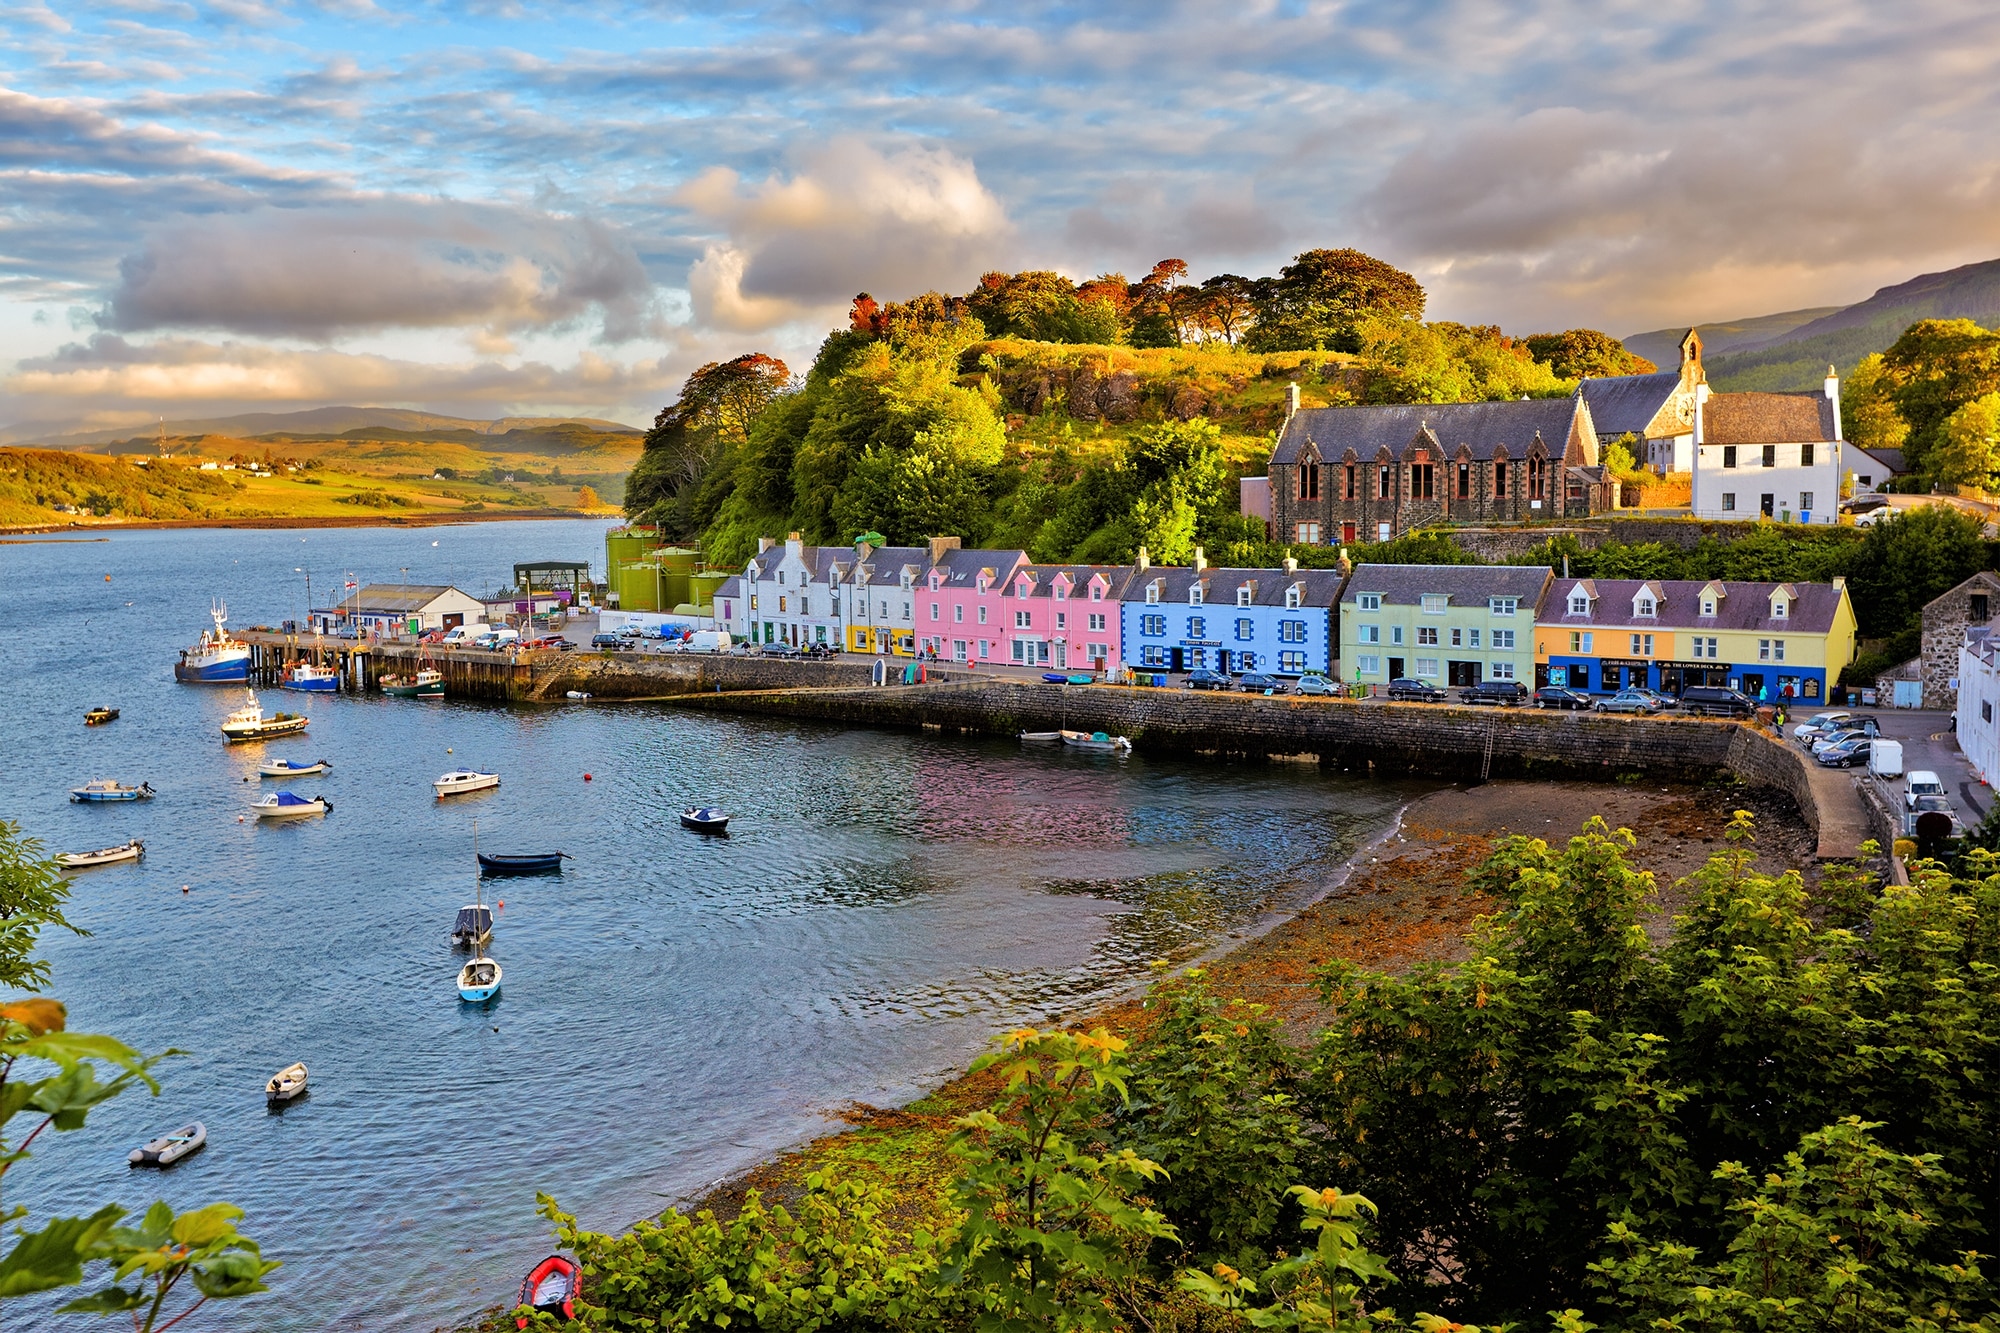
[1194,595]
[1579,603]
[1643,605]
[1243,597]
[1779,608]
[1292,598]
[1152,594]
[1434,603]
[1370,601]
[1097,592]
[1060,592]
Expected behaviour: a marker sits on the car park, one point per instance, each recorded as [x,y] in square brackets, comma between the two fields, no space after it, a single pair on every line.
[1718,701]
[1314,683]
[1626,701]
[1819,725]
[1407,690]
[1920,783]
[1561,696]
[1201,678]
[1830,739]
[1505,693]
[1846,754]
[1256,682]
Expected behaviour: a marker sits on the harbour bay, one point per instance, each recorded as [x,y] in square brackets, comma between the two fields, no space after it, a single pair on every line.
[675,1008]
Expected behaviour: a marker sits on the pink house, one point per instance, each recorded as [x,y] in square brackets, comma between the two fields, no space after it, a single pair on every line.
[1064,616]
[959,611]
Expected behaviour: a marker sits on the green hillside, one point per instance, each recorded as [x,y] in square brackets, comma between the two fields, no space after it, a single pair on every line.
[1663,346]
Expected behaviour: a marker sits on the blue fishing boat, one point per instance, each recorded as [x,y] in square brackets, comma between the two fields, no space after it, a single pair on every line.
[104,789]
[216,658]
[306,676]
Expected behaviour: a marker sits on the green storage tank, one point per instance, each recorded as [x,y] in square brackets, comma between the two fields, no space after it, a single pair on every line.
[629,572]
[703,584]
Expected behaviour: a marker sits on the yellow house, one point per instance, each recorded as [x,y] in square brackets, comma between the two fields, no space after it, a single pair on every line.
[1769,640]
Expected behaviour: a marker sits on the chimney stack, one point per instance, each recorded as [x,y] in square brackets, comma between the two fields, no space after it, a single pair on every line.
[1833,396]
[1200,560]
[939,545]
[1291,400]
[1291,565]
[1344,565]
[764,544]
[1145,561]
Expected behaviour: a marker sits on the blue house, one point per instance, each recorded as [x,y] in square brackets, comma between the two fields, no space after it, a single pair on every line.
[1280,621]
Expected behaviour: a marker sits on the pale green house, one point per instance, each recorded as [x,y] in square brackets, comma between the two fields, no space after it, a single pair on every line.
[1443,624]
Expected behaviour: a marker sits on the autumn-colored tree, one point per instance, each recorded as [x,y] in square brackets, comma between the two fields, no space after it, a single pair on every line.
[586,497]
[1322,297]
[1868,414]
[1967,452]
[1222,307]
[717,404]
[1575,353]
[1935,368]
[1154,316]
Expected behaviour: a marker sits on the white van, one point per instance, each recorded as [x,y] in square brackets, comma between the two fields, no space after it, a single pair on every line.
[498,636]
[459,635]
[708,641]
[1921,782]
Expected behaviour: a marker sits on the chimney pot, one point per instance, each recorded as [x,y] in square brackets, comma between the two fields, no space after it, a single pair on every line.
[1145,561]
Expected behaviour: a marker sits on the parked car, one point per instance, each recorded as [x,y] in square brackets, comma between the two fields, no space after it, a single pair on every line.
[1942,822]
[1257,682]
[1818,725]
[1561,696]
[1840,737]
[1201,678]
[611,641]
[1626,701]
[1404,689]
[1314,683]
[1921,783]
[1717,700]
[1660,701]
[1505,693]
[1847,754]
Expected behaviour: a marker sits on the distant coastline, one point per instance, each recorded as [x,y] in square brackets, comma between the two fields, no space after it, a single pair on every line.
[440,518]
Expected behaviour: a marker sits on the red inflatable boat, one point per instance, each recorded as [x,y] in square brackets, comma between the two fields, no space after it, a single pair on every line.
[550,1286]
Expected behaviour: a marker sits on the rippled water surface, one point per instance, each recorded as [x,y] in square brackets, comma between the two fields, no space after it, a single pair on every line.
[674,1007]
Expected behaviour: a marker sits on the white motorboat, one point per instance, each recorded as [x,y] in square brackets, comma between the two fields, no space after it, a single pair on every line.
[462,780]
[290,805]
[103,856]
[287,1084]
[286,768]
[101,790]
[1097,740]
[170,1148]
[248,723]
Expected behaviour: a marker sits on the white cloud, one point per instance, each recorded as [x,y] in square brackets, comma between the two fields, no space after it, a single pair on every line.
[851,218]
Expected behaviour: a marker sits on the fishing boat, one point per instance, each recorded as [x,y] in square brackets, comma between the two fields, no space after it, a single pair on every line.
[532,863]
[426,684]
[104,789]
[103,856]
[97,717]
[170,1148]
[306,676]
[1041,737]
[474,925]
[551,1287]
[288,1084]
[462,780]
[248,723]
[286,768]
[1097,740]
[289,805]
[216,658]
[704,819]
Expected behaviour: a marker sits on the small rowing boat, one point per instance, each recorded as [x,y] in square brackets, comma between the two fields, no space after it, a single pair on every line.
[288,1084]
[478,980]
[462,780]
[290,805]
[704,819]
[551,1287]
[1040,737]
[97,717]
[533,863]
[103,856]
[170,1148]
[104,789]
[286,768]
[248,723]
[1097,740]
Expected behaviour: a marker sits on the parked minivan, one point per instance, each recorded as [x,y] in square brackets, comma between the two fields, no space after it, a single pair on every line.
[1717,700]
[1921,782]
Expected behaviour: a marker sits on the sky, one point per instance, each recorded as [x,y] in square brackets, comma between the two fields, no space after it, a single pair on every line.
[508,208]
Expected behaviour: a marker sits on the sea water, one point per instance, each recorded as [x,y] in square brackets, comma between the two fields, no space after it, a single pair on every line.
[675,1007]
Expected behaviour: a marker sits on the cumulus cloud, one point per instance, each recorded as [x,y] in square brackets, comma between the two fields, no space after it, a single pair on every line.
[377,264]
[850,218]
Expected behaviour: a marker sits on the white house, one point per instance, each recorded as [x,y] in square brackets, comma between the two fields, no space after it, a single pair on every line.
[879,598]
[1768,455]
[732,607]
[793,592]
[1979,702]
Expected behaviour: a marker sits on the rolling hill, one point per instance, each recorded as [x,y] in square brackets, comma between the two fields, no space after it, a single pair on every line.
[1793,350]
[318,421]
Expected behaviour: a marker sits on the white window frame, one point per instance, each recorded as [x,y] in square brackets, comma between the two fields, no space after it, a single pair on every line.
[1368,664]
[1500,671]
[1435,603]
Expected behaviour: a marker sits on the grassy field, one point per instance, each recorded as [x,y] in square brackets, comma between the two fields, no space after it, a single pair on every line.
[363,475]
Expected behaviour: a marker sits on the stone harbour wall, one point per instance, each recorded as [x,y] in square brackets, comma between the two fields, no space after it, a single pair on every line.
[661,675]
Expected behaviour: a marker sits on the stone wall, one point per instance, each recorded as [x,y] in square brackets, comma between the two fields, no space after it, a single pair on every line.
[1497,546]
[650,676]
[1945,622]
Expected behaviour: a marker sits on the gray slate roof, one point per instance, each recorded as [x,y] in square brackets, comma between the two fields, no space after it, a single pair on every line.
[1744,606]
[885,566]
[1892,459]
[961,568]
[1767,418]
[1482,427]
[1465,585]
[1321,586]
[1628,403]
[1079,579]
[395,597]
[731,586]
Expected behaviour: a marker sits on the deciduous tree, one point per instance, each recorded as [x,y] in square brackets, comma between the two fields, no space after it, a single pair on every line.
[1321,298]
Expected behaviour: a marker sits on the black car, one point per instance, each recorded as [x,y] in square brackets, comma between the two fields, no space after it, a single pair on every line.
[1847,754]
[1505,693]
[1256,682]
[1201,678]
[1405,689]
[614,642]
[1561,696]
[1717,701]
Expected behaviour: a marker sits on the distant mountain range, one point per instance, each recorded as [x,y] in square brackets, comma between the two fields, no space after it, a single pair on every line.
[1793,350]
[312,421]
